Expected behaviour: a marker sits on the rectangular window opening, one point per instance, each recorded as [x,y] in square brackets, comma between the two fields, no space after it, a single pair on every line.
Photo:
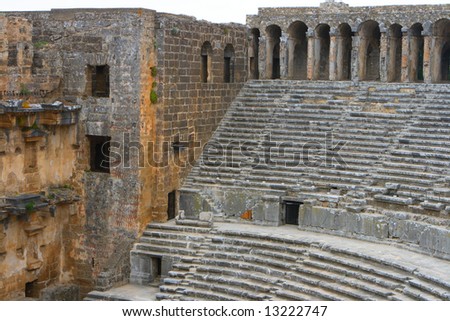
[204,69]
[97,81]
[100,153]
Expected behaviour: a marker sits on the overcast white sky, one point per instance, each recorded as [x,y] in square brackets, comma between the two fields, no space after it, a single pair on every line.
[216,11]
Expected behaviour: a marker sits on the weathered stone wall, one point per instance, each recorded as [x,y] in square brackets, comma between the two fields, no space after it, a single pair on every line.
[117,38]
[63,44]
[34,250]
[155,96]
[189,110]
[37,153]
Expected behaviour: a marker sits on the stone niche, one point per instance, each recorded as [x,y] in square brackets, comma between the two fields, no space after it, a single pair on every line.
[146,269]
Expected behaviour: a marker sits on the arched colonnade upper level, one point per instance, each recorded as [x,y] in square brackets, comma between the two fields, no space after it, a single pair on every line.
[364,51]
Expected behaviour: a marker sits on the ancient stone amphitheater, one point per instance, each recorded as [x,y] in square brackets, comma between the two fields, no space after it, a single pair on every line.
[319,190]
[388,194]
[151,156]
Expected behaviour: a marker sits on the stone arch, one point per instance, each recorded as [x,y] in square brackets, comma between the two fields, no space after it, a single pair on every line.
[206,62]
[416,50]
[441,51]
[344,52]
[369,50]
[228,64]
[322,52]
[254,54]
[298,50]
[394,71]
[273,33]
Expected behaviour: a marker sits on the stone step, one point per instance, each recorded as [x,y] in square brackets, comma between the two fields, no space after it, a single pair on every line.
[252,259]
[325,290]
[222,242]
[226,288]
[102,296]
[436,291]
[307,288]
[187,229]
[353,263]
[408,159]
[380,283]
[149,233]
[167,242]
[242,283]
[412,174]
[154,248]
[202,294]
[418,295]
[402,179]
[324,272]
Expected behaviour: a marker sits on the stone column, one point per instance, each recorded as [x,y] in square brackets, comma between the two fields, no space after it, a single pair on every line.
[405,55]
[310,64]
[355,59]
[291,49]
[250,53]
[335,46]
[427,54]
[262,57]
[384,55]
[269,58]
[284,56]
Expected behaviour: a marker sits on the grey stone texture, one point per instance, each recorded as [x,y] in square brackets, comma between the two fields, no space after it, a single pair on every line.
[348,154]
[248,262]
[64,292]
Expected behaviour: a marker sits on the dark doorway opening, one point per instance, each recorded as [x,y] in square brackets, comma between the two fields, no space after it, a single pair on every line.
[291,212]
[420,65]
[31,290]
[254,54]
[445,63]
[171,206]
[156,266]
[276,62]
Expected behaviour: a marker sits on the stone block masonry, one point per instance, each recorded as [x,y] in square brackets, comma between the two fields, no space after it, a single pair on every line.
[138,76]
[190,108]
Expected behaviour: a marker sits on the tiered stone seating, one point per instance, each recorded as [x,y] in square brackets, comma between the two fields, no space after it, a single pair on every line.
[232,263]
[396,143]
